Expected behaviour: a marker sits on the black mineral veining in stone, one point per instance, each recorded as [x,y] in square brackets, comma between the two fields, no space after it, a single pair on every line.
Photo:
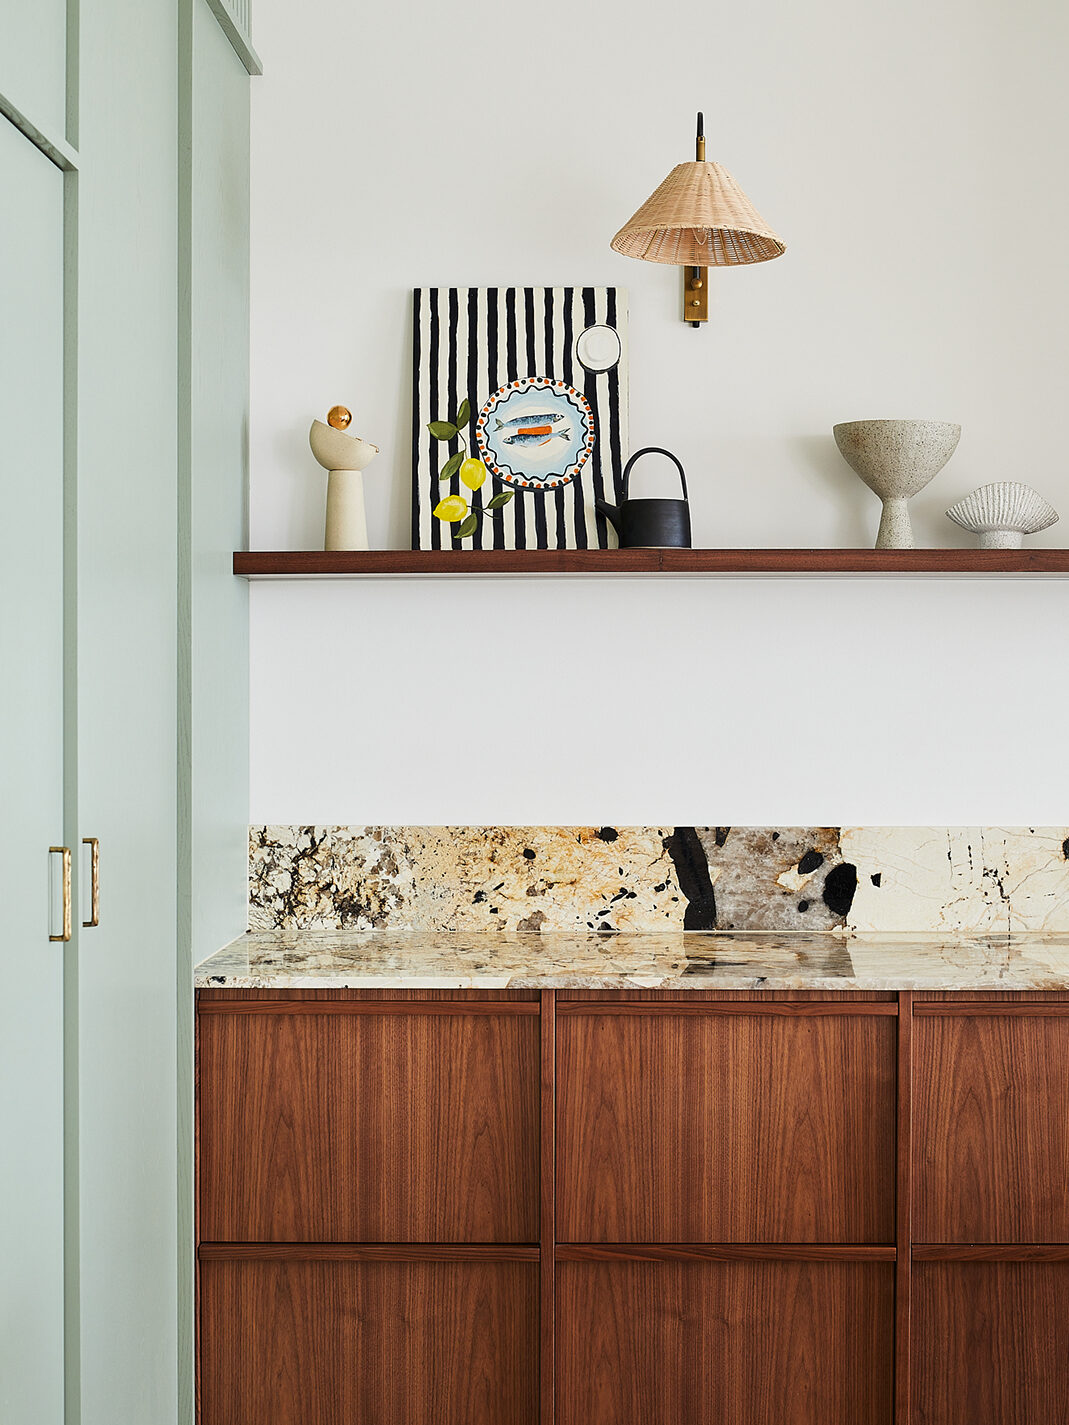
[608,833]
[839,887]
[803,906]
[528,853]
[810,862]
[876,878]
[1065,848]
[692,872]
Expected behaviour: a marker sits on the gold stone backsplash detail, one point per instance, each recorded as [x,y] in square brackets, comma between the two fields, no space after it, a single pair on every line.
[463,878]
[641,879]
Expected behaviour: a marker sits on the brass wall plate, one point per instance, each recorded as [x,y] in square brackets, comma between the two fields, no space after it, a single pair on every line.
[695,295]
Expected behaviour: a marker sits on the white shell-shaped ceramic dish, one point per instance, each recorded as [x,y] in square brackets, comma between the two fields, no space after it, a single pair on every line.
[1002,513]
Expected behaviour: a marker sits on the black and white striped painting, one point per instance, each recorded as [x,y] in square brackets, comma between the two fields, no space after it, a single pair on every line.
[519,416]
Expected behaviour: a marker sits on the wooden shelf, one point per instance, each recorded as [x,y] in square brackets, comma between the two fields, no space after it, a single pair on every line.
[316,564]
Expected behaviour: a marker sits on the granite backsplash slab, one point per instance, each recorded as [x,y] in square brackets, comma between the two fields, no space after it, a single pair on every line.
[884,879]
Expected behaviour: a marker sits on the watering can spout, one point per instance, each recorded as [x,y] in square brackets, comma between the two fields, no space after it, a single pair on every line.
[611,513]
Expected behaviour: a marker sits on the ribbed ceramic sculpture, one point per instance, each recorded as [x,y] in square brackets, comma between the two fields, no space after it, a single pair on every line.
[896,459]
[1003,513]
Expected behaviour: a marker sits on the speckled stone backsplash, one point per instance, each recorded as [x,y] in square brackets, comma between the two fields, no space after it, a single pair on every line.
[527,878]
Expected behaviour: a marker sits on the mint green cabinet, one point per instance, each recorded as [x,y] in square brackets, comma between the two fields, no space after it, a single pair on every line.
[33,61]
[123,436]
[31,785]
[127,735]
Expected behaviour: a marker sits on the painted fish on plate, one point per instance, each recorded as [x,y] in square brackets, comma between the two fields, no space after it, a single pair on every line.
[541,418]
[536,433]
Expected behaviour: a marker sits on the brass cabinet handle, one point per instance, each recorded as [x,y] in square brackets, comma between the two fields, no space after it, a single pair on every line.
[65,852]
[94,880]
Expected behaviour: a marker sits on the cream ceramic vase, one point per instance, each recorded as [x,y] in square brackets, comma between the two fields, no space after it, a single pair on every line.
[896,459]
[345,457]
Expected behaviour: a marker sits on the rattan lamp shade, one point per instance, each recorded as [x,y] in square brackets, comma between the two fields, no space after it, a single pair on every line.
[698,217]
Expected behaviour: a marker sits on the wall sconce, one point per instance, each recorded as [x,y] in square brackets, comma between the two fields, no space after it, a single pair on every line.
[698,218]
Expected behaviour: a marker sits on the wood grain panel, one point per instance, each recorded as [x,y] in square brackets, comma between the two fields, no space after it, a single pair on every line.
[374,1128]
[312,562]
[758,1343]
[991,1344]
[726,1128]
[725,996]
[991,1141]
[786,1009]
[380,1006]
[335,1343]
[965,1005]
[991,1252]
[366,1252]
[548,1206]
[993,996]
[904,1212]
[721,1252]
[209,996]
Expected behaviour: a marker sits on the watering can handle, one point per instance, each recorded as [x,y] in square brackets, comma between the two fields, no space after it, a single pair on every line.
[654,450]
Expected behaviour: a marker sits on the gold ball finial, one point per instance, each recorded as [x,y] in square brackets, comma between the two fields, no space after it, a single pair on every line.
[339,417]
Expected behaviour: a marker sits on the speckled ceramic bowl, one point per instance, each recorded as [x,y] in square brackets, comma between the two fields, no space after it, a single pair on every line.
[896,459]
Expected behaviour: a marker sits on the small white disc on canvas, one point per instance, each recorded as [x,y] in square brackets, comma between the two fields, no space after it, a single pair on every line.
[599,348]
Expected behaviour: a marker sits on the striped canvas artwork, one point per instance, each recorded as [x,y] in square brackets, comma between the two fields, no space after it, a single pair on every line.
[543,374]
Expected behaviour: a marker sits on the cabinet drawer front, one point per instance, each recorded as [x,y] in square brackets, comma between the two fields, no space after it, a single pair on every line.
[757,1343]
[991,1133]
[397,1343]
[368,1127]
[726,1128]
[991,1343]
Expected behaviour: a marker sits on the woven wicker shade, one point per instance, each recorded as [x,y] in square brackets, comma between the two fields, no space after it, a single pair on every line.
[698,217]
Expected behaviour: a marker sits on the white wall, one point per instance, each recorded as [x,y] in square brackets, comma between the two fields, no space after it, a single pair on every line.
[911,156]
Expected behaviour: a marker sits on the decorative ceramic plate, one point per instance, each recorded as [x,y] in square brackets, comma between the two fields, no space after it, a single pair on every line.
[599,348]
[536,433]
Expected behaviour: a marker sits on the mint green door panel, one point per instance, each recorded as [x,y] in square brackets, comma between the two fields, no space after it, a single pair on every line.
[31,784]
[127,734]
[33,61]
[219,404]
[213,658]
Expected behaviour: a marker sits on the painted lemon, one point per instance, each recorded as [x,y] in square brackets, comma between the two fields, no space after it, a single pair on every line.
[452,508]
[473,474]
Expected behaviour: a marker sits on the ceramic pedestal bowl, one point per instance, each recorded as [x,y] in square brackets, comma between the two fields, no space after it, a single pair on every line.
[896,459]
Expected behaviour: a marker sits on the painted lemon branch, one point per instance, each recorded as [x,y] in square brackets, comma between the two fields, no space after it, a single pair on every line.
[453,508]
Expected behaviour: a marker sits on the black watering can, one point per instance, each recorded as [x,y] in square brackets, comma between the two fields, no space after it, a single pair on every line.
[650,524]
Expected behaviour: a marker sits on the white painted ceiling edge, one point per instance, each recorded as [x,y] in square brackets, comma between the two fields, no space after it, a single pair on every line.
[869,139]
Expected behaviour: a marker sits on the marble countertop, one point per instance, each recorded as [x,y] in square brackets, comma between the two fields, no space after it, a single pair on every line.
[382,959]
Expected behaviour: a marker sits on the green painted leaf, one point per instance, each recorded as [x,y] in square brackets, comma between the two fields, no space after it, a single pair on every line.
[464,414]
[442,430]
[469,526]
[502,499]
[452,465]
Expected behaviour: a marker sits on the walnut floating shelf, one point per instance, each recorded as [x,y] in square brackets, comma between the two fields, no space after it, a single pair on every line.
[317,564]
